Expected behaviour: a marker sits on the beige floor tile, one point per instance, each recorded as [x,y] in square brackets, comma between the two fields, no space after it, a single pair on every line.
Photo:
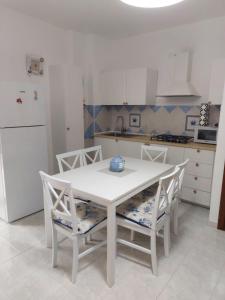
[183,294]
[192,271]
[22,237]
[61,294]
[7,250]
[219,291]
[33,286]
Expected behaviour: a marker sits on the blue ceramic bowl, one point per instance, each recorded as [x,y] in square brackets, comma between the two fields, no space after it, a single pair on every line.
[117,164]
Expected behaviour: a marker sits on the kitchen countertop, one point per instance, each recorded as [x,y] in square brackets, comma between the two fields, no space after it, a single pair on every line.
[146,140]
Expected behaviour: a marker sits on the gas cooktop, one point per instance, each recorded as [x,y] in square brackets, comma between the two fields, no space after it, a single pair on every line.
[181,139]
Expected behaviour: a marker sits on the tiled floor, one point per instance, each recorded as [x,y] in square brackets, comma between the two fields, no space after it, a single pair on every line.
[195,268]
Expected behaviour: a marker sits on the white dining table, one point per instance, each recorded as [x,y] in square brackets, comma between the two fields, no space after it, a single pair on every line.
[96,183]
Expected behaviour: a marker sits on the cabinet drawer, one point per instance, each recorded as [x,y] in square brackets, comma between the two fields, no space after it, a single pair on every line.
[175,155]
[195,182]
[196,196]
[199,169]
[200,156]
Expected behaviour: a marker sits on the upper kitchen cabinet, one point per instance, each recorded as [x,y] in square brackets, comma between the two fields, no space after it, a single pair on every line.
[112,88]
[141,86]
[217,81]
[128,87]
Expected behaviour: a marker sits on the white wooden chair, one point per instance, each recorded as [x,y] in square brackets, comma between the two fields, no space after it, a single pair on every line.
[70,160]
[154,153]
[79,158]
[73,220]
[92,155]
[149,216]
[174,210]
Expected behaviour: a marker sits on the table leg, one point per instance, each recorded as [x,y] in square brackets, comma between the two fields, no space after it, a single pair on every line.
[48,224]
[111,244]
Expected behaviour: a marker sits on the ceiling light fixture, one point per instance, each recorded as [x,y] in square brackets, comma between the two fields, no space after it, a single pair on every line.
[151,3]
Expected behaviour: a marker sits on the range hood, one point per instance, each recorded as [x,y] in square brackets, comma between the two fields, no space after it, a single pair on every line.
[180,89]
[180,70]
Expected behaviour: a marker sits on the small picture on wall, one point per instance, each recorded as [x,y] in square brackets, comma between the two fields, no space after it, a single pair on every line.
[35,65]
[135,120]
[191,123]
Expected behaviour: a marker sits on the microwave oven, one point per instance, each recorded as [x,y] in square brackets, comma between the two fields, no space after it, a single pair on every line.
[205,135]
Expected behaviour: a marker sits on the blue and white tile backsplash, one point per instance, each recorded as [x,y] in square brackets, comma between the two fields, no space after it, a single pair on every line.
[154,118]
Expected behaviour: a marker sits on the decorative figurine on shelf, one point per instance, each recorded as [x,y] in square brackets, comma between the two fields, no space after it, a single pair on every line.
[117,164]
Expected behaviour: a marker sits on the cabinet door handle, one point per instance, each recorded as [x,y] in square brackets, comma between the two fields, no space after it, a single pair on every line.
[198,151]
[195,192]
[68,128]
[197,164]
[196,178]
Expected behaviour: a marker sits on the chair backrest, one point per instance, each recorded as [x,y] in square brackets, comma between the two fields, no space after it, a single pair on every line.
[182,167]
[70,160]
[59,199]
[154,153]
[164,195]
[92,155]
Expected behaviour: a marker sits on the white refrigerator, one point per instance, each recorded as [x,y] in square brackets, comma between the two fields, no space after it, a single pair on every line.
[23,149]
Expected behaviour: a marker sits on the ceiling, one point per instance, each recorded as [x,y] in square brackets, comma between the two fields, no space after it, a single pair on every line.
[114,19]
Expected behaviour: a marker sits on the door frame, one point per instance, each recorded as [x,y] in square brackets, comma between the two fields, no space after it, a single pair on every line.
[221,220]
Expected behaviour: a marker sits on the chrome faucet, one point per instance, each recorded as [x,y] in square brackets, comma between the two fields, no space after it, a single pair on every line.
[122,128]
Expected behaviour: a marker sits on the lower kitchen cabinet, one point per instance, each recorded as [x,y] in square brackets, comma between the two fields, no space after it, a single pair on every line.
[111,147]
[196,196]
[132,149]
[200,156]
[175,155]
[197,182]
[198,176]
[200,169]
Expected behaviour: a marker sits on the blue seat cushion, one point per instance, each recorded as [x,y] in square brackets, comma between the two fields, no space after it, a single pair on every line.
[138,210]
[87,217]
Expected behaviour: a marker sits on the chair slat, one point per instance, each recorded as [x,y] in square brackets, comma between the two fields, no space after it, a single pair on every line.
[149,150]
[70,160]
[92,154]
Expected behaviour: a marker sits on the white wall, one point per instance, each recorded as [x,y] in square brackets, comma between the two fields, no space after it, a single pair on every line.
[219,167]
[21,35]
[205,39]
